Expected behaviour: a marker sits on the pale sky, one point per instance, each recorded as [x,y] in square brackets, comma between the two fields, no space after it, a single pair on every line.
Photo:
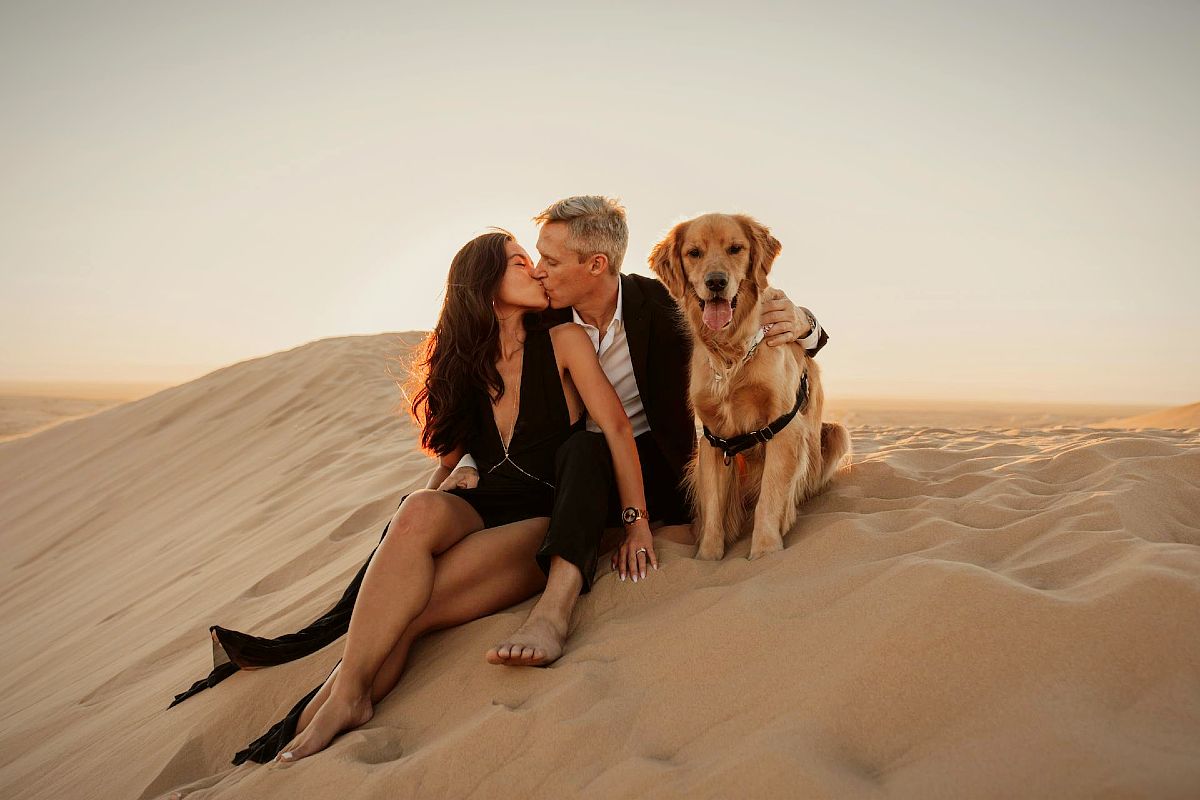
[978,200]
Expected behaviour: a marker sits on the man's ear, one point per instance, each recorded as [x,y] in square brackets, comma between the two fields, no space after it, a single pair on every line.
[763,248]
[666,264]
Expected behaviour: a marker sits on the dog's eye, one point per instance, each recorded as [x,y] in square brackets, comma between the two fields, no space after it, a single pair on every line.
[694,252]
[734,249]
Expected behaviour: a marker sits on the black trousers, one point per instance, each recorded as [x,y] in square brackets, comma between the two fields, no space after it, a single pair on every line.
[586,499]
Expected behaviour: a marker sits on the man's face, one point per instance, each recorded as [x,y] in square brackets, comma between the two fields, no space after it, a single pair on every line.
[565,278]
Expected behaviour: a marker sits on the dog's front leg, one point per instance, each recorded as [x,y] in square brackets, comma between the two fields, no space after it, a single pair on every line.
[784,463]
[713,492]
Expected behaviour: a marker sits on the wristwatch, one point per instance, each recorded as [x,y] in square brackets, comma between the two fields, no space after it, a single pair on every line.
[812,325]
[631,515]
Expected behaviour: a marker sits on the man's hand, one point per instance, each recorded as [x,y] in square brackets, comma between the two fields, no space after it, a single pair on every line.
[636,551]
[461,478]
[788,321]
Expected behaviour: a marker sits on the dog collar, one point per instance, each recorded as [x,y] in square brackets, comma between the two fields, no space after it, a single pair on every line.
[731,447]
[751,347]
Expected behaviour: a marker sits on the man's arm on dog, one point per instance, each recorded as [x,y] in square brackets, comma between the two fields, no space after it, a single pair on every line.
[791,323]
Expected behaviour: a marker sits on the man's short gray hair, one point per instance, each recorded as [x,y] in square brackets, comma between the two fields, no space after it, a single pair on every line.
[595,224]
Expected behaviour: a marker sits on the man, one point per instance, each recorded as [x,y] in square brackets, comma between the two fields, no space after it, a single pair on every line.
[645,353]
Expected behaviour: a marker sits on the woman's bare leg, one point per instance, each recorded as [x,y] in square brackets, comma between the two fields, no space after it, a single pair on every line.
[395,590]
[486,572]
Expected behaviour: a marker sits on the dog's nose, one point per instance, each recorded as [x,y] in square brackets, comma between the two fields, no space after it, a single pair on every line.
[716,281]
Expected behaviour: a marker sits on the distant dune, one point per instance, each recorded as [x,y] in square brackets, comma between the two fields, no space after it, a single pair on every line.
[84,390]
[27,407]
[1180,417]
[970,611]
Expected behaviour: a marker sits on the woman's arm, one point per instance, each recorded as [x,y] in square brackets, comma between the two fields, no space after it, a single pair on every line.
[573,349]
[442,471]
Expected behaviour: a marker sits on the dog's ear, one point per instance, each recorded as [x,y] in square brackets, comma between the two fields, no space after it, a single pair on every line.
[763,248]
[666,263]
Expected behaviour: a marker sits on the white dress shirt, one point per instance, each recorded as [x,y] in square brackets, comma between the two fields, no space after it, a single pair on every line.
[613,353]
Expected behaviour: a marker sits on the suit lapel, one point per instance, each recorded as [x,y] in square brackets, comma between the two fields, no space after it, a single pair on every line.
[637,328]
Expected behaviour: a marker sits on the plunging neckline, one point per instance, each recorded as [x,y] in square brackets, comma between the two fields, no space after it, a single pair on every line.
[520,404]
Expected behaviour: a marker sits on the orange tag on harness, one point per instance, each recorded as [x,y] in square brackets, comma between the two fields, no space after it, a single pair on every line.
[740,460]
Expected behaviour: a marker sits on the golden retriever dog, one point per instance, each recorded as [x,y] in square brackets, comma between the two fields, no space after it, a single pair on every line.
[753,454]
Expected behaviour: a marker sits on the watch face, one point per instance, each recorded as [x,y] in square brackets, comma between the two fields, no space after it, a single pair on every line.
[629,515]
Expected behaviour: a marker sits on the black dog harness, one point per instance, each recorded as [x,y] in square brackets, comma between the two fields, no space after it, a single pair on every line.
[731,447]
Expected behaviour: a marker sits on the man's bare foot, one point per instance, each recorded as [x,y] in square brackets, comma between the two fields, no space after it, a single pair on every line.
[338,713]
[535,644]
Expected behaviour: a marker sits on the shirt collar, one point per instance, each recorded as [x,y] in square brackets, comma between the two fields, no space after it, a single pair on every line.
[617,316]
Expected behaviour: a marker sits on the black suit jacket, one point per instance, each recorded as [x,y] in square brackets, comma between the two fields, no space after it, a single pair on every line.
[660,348]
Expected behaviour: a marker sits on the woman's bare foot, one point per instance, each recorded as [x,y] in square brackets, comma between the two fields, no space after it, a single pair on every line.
[314,705]
[535,644]
[341,712]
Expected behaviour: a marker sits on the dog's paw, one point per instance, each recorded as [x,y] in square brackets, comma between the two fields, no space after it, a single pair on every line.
[710,552]
[760,548]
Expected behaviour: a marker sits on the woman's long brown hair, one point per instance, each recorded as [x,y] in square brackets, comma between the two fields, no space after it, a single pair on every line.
[456,363]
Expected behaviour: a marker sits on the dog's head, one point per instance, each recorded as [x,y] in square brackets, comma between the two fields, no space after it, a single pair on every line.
[714,264]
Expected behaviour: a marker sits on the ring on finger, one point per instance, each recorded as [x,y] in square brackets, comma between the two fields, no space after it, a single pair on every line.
[640,550]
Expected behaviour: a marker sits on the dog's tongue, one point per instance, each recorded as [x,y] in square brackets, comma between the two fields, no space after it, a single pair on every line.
[717,314]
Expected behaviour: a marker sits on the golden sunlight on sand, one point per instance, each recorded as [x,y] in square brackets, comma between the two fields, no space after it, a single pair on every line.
[993,605]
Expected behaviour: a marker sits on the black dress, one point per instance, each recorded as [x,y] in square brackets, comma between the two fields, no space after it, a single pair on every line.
[518,482]
[514,484]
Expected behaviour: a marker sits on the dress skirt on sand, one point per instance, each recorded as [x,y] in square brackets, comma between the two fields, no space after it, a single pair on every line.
[515,483]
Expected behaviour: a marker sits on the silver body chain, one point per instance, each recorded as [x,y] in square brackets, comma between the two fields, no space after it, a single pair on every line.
[511,432]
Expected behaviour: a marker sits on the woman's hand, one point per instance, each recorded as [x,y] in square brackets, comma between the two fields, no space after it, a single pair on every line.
[461,478]
[636,551]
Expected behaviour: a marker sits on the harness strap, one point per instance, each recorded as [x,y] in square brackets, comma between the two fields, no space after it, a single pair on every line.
[734,445]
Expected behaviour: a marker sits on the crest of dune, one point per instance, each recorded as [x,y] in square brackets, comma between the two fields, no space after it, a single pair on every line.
[1181,417]
[966,612]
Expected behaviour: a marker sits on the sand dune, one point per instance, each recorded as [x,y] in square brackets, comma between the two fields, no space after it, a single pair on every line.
[27,407]
[1181,417]
[22,416]
[967,612]
[934,413]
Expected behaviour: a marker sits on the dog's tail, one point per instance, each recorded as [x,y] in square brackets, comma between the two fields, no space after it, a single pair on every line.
[835,445]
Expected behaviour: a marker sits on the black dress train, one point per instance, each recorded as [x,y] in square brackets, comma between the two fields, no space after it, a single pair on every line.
[515,483]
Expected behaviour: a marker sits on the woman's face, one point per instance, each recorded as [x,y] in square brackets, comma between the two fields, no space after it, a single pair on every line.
[518,289]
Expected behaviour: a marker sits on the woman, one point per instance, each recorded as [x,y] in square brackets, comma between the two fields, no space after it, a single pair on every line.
[494,383]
